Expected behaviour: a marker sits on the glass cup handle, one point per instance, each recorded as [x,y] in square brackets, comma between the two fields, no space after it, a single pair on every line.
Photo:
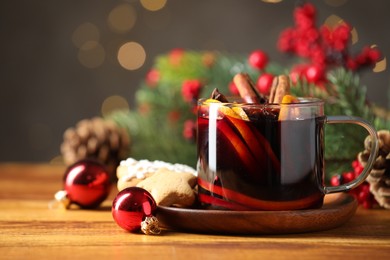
[371,158]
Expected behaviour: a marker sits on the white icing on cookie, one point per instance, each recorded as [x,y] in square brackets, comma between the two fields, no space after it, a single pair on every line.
[138,169]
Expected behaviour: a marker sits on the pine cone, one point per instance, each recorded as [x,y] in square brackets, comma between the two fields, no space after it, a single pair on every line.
[379,177]
[97,139]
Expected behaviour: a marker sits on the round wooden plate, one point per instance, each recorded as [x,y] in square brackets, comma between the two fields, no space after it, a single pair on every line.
[337,209]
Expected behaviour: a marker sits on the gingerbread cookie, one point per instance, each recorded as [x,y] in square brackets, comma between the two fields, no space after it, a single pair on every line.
[130,172]
[170,188]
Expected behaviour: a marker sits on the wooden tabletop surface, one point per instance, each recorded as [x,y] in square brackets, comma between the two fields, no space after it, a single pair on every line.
[30,230]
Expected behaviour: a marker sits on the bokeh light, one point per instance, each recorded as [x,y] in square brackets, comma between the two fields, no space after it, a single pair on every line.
[131,55]
[122,18]
[333,20]
[113,103]
[380,65]
[153,5]
[91,54]
[354,36]
[86,32]
[335,3]
[272,1]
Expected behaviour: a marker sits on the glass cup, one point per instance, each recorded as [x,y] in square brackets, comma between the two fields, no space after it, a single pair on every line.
[267,156]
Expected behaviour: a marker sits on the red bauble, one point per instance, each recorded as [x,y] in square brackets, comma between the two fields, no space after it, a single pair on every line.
[264,83]
[258,59]
[131,206]
[87,183]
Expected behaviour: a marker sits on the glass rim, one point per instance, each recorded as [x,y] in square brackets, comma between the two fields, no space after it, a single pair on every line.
[303,101]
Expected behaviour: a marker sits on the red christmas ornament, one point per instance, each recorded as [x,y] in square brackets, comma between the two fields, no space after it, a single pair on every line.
[258,59]
[133,209]
[86,184]
[264,83]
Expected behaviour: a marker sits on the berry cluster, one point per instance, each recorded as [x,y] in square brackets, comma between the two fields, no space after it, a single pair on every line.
[362,192]
[323,47]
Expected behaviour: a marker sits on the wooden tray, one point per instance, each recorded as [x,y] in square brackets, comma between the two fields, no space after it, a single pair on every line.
[337,209]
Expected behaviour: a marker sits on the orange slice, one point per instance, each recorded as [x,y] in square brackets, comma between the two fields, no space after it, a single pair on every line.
[285,111]
[236,112]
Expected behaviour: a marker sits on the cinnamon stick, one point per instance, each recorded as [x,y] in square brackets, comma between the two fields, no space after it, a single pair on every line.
[280,88]
[247,89]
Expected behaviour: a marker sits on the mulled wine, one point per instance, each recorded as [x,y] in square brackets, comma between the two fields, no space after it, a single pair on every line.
[260,157]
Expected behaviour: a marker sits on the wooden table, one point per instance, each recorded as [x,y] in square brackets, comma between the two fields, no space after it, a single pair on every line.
[29,230]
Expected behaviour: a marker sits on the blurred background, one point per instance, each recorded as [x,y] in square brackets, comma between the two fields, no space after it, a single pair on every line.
[63,61]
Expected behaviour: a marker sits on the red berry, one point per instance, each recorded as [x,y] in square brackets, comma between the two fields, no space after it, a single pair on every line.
[191,89]
[358,170]
[233,89]
[374,55]
[348,177]
[350,63]
[355,163]
[363,196]
[335,180]
[189,129]
[258,59]
[152,77]
[175,56]
[264,83]
[314,73]
[297,72]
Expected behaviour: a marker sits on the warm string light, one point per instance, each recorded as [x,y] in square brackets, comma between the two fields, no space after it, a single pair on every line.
[153,5]
[131,56]
[272,1]
[84,33]
[113,103]
[92,54]
[122,18]
[380,65]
